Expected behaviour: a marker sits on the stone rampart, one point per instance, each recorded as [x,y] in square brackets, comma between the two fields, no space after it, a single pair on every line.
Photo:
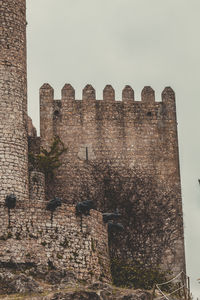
[60,240]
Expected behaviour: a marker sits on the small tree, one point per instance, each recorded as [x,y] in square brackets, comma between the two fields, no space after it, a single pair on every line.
[48,161]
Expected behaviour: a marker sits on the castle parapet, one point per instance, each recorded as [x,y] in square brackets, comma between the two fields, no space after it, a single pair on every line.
[169,105]
[128,93]
[46,114]
[68,110]
[168,95]
[46,92]
[68,92]
[148,94]
[109,93]
[89,93]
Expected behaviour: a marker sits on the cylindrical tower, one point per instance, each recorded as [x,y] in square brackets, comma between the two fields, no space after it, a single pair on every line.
[13,101]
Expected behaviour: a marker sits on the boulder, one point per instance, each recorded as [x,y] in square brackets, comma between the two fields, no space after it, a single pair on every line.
[18,283]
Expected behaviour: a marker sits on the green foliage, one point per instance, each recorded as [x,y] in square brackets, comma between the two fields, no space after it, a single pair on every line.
[48,161]
[135,275]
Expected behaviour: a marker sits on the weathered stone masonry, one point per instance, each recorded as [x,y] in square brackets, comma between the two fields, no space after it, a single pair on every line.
[60,240]
[13,100]
[29,234]
[120,154]
[67,242]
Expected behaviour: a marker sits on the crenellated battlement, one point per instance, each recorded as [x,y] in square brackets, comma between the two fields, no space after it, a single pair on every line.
[89,93]
[55,113]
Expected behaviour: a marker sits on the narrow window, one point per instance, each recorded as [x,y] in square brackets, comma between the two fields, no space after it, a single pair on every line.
[86,152]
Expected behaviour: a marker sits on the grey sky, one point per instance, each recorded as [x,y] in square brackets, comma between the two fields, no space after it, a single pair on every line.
[136,42]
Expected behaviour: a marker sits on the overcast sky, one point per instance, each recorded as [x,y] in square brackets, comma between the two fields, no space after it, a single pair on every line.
[119,42]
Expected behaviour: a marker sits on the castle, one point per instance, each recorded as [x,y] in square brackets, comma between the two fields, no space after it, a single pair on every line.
[119,154]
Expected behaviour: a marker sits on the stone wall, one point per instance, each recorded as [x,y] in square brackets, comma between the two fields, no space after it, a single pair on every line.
[122,154]
[60,240]
[13,101]
[32,132]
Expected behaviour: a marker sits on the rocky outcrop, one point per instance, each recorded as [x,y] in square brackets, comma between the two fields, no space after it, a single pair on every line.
[18,283]
[57,287]
[105,293]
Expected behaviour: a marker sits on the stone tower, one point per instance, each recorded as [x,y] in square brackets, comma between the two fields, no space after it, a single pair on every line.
[123,155]
[13,101]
